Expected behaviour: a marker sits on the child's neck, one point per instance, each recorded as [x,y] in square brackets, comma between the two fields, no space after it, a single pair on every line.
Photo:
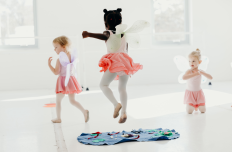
[112,28]
[194,69]
[65,51]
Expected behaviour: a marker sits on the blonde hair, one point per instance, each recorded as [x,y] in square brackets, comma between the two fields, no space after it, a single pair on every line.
[196,54]
[64,42]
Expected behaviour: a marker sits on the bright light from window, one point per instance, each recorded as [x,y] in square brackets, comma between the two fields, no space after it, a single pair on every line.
[16,20]
[169,17]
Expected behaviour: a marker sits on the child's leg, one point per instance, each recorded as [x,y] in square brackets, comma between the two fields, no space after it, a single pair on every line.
[104,85]
[123,96]
[79,106]
[122,91]
[202,109]
[59,98]
[189,109]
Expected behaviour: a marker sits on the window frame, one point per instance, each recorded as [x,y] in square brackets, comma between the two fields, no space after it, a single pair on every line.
[35,34]
[187,28]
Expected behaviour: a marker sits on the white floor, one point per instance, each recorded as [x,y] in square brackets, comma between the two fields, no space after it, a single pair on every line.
[25,124]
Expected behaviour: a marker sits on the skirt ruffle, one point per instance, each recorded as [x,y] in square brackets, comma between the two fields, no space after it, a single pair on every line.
[119,63]
[72,87]
[194,98]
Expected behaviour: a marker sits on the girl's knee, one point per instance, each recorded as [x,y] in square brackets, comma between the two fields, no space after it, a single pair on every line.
[189,109]
[104,87]
[101,86]
[202,109]
[72,102]
[58,101]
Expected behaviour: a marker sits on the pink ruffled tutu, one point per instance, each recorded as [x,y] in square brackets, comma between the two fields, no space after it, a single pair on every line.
[72,87]
[194,98]
[119,63]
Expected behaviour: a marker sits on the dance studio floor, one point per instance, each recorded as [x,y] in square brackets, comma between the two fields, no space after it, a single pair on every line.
[25,125]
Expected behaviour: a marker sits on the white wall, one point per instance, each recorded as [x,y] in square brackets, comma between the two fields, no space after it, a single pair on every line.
[27,68]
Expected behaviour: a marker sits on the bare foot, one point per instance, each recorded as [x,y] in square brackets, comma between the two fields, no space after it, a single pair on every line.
[122,118]
[116,110]
[56,120]
[86,115]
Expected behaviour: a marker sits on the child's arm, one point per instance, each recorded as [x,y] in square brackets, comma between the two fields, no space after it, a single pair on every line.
[99,36]
[55,70]
[208,76]
[189,75]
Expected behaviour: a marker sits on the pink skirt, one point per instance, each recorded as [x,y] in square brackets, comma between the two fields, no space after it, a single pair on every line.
[119,62]
[72,87]
[194,98]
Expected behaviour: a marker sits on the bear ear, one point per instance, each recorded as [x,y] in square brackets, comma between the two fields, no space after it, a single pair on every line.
[105,11]
[119,10]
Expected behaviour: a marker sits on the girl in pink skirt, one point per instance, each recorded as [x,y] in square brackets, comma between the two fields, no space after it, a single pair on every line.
[117,65]
[194,96]
[66,82]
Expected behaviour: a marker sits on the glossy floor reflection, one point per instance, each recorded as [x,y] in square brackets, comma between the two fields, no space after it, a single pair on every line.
[26,126]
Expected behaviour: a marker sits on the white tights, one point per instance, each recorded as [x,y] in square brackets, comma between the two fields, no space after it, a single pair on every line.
[190,109]
[72,100]
[104,85]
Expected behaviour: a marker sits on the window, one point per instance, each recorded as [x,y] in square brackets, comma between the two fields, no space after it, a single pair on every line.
[17,23]
[170,21]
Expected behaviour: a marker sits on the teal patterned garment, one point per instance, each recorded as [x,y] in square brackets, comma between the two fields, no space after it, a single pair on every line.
[111,138]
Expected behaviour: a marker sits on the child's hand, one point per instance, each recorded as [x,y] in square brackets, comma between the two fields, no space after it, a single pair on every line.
[197,72]
[49,61]
[85,34]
